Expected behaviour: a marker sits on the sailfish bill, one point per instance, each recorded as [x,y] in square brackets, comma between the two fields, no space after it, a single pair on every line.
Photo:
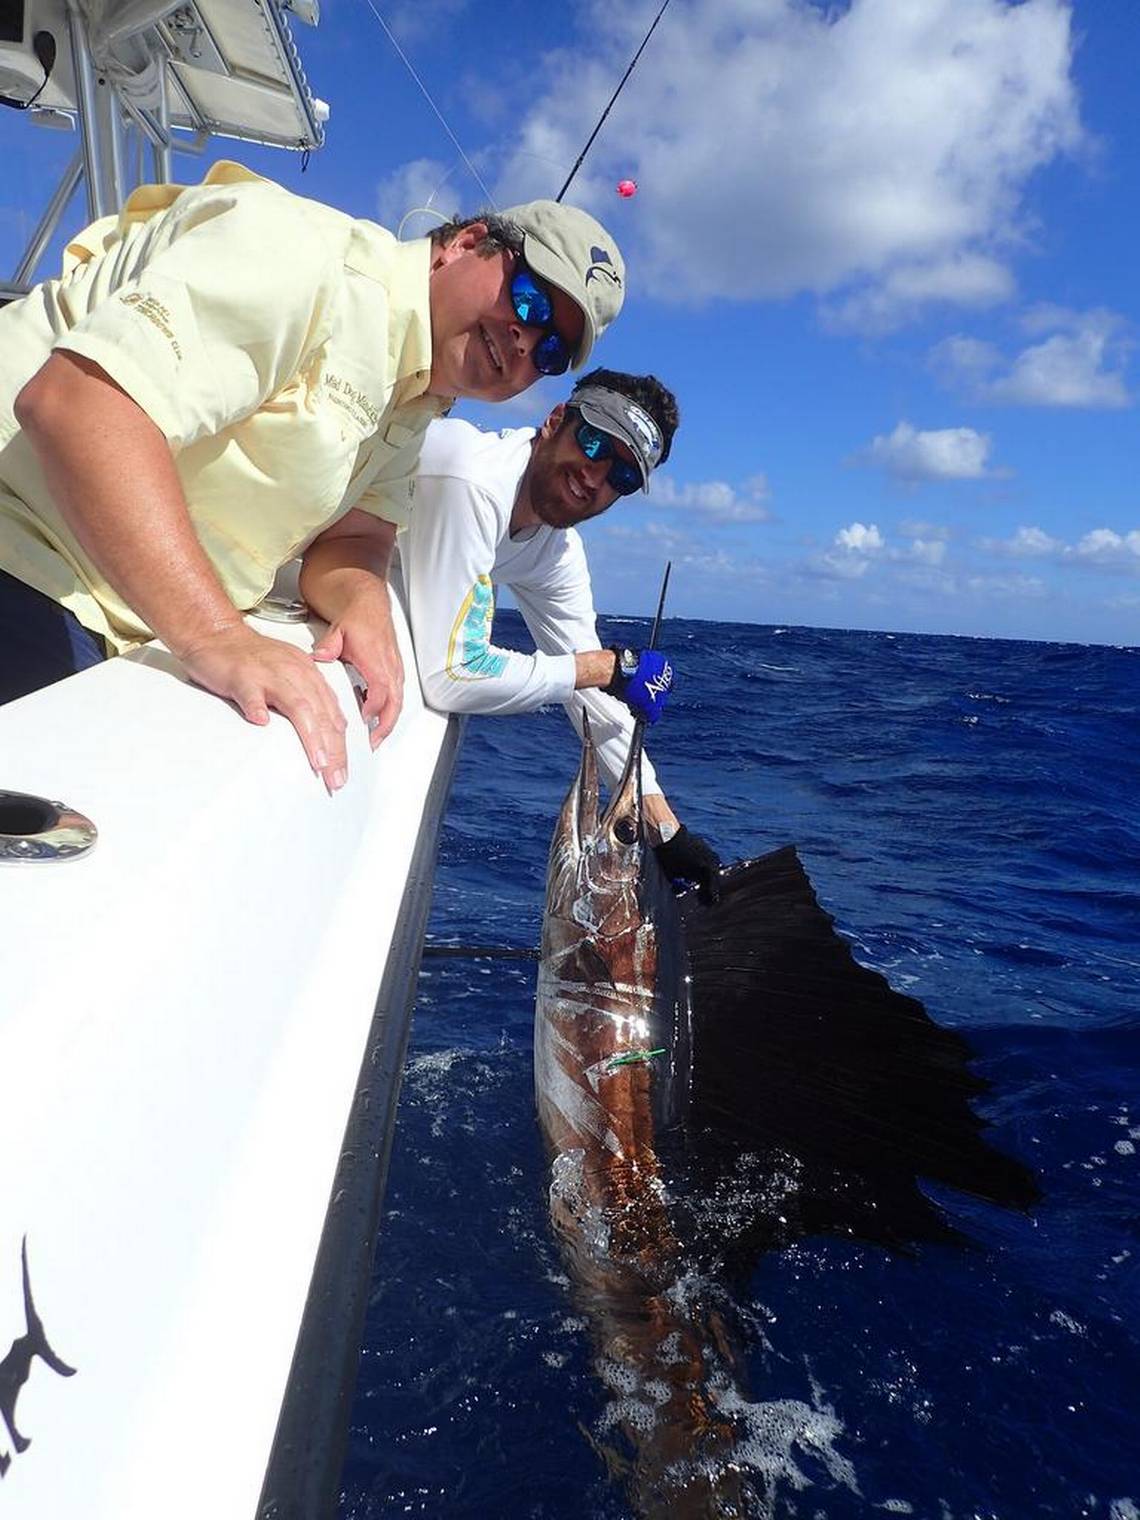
[677,1042]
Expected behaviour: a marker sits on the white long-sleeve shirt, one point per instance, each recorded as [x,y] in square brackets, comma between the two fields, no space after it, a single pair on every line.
[456,548]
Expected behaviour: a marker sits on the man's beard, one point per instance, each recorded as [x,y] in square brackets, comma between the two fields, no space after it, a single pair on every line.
[549,499]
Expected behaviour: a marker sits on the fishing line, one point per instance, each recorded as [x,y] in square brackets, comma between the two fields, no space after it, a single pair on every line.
[424,90]
[613,97]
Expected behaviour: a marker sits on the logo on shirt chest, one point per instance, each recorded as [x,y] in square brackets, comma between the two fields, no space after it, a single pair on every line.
[353,402]
[156,314]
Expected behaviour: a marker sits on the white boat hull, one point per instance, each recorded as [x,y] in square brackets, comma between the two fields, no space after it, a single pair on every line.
[183,1017]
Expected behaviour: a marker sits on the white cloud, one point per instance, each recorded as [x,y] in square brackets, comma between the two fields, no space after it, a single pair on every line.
[966,362]
[1102,548]
[421,183]
[969,279]
[1080,363]
[913,455]
[928,551]
[413,20]
[911,528]
[1021,586]
[859,538]
[874,153]
[853,551]
[861,544]
[714,500]
[1107,546]
[846,567]
[1026,543]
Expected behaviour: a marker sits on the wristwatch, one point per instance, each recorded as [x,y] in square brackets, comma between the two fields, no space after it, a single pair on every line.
[625,664]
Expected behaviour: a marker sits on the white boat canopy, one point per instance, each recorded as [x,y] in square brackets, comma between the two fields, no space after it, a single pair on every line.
[136,76]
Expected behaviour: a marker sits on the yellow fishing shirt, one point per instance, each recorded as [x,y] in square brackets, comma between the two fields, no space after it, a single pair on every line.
[282,347]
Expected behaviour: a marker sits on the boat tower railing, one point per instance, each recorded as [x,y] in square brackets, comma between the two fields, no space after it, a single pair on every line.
[141,80]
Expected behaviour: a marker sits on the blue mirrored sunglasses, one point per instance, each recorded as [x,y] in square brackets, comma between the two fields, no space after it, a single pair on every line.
[624,476]
[535,308]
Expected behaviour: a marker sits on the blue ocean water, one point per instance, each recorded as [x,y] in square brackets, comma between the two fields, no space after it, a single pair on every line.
[968,811]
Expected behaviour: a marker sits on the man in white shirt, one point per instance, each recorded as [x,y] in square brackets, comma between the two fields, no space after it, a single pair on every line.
[502,509]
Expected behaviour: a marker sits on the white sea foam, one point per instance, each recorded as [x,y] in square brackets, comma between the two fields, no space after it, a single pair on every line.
[781,1433]
[436,1077]
[669,1350]
[617,1375]
[779,1443]
[636,1414]
[1066,1322]
[568,1195]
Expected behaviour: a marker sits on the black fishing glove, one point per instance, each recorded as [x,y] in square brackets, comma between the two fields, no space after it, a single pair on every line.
[688,857]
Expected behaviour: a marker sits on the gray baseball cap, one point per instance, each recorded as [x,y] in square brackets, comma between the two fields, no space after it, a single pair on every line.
[567,247]
[622,418]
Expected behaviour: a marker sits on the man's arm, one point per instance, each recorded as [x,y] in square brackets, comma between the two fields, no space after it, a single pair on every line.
[112,475]
[558,604]
[556,600]
[344,579]
[447,555]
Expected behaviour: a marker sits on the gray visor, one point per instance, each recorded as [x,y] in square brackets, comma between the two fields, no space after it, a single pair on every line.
[622,418]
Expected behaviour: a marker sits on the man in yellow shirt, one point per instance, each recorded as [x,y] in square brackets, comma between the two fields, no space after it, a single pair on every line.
[228,375]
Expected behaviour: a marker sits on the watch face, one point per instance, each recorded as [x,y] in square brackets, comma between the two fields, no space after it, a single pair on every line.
[628,661]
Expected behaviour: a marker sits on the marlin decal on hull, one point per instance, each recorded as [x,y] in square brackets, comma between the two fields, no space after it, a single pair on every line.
[678,1045]
[16,1367]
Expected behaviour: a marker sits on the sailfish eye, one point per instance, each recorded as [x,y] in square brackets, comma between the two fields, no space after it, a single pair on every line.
[625,830]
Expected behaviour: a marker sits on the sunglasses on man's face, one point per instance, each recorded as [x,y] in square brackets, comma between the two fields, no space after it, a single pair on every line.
[535,308]
[624,476]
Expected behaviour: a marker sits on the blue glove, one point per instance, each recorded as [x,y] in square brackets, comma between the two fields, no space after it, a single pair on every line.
[642,680]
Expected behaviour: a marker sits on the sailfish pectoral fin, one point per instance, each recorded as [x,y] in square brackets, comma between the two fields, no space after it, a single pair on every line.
[798,1047]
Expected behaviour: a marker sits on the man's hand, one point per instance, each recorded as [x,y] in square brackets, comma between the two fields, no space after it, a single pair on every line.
[643,681]
[344,578]
[688,857]
[364,636]
[259,673]
[113,478]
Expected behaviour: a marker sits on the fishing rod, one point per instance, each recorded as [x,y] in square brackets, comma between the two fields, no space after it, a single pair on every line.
[660,607]
[613,97]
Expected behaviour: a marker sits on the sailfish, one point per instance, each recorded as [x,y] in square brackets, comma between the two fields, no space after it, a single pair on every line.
[680,1043]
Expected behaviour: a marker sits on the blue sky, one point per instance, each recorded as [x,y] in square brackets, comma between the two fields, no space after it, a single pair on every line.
[884,253]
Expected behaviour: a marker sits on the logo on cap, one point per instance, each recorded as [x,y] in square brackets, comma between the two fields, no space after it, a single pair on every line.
[643,423]
[601,259]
